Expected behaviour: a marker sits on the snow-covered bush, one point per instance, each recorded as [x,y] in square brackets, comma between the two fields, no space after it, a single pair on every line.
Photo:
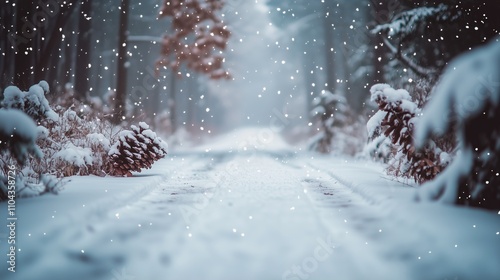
[26,187]
[70,140]
[17,135]
[378,148]
[75,145]
[88,107]
[33,102]
[17,143]
[330,111]
[395,120]
[70,145]
[136,149]
[467,99]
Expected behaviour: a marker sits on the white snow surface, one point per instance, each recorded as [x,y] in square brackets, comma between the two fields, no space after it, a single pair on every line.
[98,139]
[270,213]
[246,139]
[73,155]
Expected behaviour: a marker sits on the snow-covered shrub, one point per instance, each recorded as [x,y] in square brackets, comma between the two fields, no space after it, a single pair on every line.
[33,102]
[25,187]
[89,107]
[17,135]
[379,148]
[17,143]
[467,99]
[68,140]
[73,158]
[71,142]
[395,120]
[136,149]
[330,111]
[75,145]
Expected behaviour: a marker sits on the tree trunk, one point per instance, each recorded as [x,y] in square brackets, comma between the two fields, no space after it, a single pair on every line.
[171,102]
[66,64]
[7,22]
[329,49]
[309,64]
[121,79]
[83,53]
[191,93]
[23,41]
[54,33]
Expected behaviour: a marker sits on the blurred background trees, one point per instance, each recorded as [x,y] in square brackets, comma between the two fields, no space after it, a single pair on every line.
[281,54]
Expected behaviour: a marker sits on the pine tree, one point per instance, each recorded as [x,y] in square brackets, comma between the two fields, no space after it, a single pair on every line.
[331,111]
[426,35]
[136,149]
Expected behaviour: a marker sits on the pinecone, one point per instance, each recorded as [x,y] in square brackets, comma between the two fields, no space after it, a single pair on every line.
[136,149]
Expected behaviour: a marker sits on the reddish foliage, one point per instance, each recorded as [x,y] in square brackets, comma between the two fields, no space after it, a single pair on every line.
[398,125]
[197,34]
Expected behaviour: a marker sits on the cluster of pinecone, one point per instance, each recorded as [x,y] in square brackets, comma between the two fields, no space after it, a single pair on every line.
[136,149]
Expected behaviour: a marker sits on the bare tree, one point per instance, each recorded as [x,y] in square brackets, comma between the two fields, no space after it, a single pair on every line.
[121,79]
[83,51]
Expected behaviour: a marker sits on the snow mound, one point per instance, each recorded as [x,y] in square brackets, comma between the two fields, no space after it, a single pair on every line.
[74,155]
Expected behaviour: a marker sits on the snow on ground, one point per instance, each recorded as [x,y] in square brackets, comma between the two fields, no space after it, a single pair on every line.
[250,214]
[246,139]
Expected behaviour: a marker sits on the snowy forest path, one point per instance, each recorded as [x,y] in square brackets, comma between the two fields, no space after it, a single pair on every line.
[108,232]
[260,225]
[248,215]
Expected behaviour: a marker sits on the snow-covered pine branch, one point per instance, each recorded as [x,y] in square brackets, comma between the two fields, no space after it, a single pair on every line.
[408,22]
[467,99]
[395,120]
[407,25]
[18,134]
[33,102]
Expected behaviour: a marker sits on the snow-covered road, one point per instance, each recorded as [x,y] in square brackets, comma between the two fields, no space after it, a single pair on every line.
[267,214]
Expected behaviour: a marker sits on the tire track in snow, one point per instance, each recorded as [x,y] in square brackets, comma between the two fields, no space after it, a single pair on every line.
[259,226]
[390,237]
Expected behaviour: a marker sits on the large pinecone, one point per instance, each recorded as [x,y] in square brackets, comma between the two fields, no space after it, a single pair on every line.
[136,149]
